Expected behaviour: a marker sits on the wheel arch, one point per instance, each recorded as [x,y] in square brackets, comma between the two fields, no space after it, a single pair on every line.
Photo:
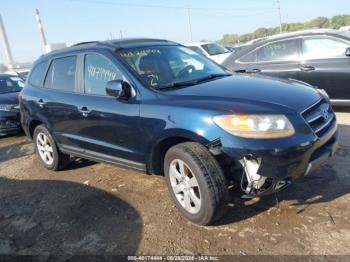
[32,125]
[161,146]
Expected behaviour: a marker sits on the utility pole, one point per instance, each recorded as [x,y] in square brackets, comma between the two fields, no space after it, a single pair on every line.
[189,24]
[3,38]
[279,14]
[189,21]
[41,30]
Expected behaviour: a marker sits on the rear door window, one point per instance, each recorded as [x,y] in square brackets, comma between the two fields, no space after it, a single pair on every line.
[61,74]
[323,47]
[279,51]
[98,70]
[37,74]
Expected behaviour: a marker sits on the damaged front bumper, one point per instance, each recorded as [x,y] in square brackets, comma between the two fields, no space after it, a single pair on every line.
[268,170]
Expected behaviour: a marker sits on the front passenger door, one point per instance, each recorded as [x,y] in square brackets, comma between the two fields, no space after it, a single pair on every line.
[109,126]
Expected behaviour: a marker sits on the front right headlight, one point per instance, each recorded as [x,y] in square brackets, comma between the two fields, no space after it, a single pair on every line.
[256,126]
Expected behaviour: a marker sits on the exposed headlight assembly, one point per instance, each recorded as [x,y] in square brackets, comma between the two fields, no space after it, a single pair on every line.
[256,126]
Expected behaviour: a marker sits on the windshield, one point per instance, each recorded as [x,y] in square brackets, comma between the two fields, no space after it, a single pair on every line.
[169,66]
[10,84]
[215,49]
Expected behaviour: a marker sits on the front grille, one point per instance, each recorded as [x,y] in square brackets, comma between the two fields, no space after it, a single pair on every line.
[320,117]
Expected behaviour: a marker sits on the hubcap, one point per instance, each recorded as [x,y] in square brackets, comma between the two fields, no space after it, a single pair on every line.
[185,186]
[44,148]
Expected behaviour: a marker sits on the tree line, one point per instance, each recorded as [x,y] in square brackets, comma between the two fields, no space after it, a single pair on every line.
[335,22]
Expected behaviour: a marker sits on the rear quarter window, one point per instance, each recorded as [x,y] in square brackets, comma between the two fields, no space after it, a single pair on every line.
[37,74]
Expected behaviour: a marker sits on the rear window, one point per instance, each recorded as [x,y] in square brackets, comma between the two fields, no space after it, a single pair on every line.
[215,49]
[61,74]
[37,74]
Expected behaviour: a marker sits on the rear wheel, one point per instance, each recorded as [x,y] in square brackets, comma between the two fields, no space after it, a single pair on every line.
[47,150]
[196,183]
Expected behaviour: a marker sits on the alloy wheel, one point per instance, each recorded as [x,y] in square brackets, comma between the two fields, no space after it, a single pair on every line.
[185,186]
[45,148]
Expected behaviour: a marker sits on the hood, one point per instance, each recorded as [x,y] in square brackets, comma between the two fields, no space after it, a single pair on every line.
[254,90]
[9,98]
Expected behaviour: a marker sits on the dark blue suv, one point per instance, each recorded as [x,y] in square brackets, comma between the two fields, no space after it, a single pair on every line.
[159,107]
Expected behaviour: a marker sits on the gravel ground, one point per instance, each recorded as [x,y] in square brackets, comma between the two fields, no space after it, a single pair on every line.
[94,208]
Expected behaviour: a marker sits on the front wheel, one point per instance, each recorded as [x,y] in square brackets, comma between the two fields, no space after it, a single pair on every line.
[196,183]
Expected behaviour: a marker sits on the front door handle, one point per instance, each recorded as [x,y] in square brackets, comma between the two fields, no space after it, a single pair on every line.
[307,68]
[84,111]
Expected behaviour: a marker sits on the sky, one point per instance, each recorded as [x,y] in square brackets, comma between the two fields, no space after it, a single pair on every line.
[73,21]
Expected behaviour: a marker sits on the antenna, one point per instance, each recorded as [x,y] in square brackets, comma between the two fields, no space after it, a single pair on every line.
[41,30]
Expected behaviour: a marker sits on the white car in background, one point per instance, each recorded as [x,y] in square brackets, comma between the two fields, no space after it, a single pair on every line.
[214,51]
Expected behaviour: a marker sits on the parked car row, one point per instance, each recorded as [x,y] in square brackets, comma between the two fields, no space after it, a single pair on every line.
[159,107]
[320,58]
[214,51]
[10,86]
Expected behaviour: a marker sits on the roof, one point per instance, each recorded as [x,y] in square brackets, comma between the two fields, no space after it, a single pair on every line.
[199,44]
[112,45]
[116,44]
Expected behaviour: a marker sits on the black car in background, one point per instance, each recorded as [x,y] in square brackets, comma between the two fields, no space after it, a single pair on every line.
[10,86]
[319,57]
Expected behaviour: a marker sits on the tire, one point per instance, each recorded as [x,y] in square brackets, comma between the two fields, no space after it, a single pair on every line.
[48,153]
[211,189]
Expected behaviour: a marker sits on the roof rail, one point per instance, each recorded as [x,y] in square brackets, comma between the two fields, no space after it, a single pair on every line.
[86,43]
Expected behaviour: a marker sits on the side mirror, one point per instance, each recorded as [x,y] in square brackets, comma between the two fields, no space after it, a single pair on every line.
[119,89]
[347,52]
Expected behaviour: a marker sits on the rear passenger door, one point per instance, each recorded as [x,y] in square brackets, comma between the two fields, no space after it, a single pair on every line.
[58,101]
[109,127]
[326,66]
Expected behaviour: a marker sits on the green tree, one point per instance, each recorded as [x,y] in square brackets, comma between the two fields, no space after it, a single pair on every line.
[340,20]
[319,22]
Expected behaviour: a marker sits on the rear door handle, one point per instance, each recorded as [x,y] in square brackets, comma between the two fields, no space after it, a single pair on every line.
[307,68]
[84,111]
[41,103]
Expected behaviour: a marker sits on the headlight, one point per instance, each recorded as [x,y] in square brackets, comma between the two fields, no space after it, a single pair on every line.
[256,126]
[7,107]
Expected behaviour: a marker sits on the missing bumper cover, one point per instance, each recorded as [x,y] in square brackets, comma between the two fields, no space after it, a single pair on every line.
[254,184]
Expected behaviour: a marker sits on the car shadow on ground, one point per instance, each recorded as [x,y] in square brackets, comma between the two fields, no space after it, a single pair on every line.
[48,217]
[324,185]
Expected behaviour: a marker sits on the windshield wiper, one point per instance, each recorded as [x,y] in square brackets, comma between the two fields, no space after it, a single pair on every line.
[192,82]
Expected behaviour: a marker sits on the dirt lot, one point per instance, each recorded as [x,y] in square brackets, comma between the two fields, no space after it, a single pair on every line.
[101,209]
